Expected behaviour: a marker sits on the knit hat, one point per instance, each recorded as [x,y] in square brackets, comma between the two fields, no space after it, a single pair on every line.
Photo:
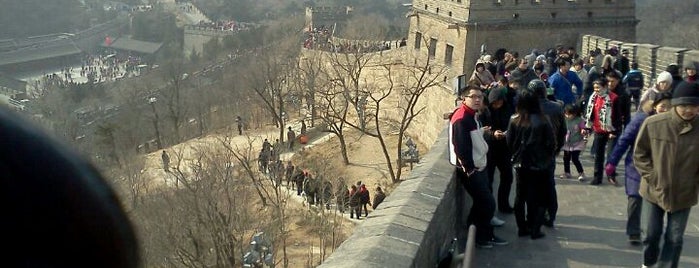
[686,94]
[689,65]
[664,77]
[541,58]
[496,94]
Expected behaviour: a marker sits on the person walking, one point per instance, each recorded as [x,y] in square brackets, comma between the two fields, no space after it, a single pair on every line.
[531,140]
[554,113]
[666,158]
[239,120]
[468,150]
[625,146]
[379,196]
[166,161]
[354,202]
[574,143]
[604,120]
[364,200]
[290,137]
[563,82]
[633,81]
[496,116]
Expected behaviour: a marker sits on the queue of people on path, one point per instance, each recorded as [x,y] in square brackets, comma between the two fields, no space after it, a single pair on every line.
[517,114]
[319,191]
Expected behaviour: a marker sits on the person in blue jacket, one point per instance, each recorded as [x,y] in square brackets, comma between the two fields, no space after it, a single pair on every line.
[563,82]
[660,104]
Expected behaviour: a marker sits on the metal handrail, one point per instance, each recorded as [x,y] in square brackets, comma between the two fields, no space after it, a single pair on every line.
[469,253]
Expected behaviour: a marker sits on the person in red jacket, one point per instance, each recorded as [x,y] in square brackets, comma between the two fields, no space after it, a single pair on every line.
[604,120]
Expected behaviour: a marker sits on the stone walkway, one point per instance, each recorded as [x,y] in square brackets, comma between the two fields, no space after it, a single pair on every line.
[589,232]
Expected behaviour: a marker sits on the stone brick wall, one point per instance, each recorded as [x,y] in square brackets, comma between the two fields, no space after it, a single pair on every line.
[652,59]
[195,37]
[415,224]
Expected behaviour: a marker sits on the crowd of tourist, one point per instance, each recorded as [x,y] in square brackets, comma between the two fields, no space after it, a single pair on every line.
[225,25]
[317,190]
[98,68]
[518,112]
[320,38]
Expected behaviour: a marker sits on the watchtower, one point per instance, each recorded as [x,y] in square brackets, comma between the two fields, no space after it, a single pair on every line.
[454,31]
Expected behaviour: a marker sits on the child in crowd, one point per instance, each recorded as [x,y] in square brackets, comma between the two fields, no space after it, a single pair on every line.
[574,143]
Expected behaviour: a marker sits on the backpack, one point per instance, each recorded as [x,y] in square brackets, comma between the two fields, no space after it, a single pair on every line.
[634,81]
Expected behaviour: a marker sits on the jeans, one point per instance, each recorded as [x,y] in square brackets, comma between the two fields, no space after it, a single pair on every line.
[633,222]
[532,195]
[483,208]
[501,161]
[674,231]
[600,152]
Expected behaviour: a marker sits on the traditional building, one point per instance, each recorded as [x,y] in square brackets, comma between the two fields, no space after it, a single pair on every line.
[456,31]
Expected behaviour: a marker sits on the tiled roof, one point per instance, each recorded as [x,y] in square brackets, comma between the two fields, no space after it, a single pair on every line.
[57,49]
[128,44]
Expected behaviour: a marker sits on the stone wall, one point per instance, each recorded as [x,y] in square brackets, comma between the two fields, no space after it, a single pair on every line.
[415,224]
[195,37]
[652,59]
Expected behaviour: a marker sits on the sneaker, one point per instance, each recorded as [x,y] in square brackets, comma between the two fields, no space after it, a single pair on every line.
[485,244]
[581,177]
[496,222]
[565,176]
[596,182]
[498,241]
[635,240]
[612,180]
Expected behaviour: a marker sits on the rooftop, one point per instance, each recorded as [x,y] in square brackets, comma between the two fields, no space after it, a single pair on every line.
[128,44]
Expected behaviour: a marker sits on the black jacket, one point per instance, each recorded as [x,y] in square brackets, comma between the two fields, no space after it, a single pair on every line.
[554,111]
[532,144]
[623,104]
[496,119]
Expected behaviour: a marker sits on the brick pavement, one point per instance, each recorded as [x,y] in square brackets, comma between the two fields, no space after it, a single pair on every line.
[589,232]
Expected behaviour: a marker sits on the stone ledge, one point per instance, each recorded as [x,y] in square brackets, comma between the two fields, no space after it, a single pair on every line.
[415,224]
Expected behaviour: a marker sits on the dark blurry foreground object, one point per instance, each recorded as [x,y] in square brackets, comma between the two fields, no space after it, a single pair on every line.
[57,211]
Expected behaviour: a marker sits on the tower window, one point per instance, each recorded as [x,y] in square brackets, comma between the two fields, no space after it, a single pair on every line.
[515,15]
[418,40]
[553,15]
[448,53]
[449,13]
[425,7]
[437,10]
[432,50]
[589,14]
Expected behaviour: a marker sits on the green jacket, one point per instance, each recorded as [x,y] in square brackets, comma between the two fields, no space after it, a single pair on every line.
[667,157]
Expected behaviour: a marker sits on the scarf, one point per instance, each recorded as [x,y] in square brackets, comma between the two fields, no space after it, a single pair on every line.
[605,112]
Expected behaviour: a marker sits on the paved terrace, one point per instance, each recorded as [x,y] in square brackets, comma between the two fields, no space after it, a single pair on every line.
[417,221]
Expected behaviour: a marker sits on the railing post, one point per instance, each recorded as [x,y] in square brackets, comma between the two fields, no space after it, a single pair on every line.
[470,247]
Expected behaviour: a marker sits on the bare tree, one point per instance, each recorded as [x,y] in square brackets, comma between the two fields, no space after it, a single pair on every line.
[175,98]
[269,187]
[407,82]
[202,223]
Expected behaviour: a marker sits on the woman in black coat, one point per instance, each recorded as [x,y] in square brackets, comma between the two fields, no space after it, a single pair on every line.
[531,140]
